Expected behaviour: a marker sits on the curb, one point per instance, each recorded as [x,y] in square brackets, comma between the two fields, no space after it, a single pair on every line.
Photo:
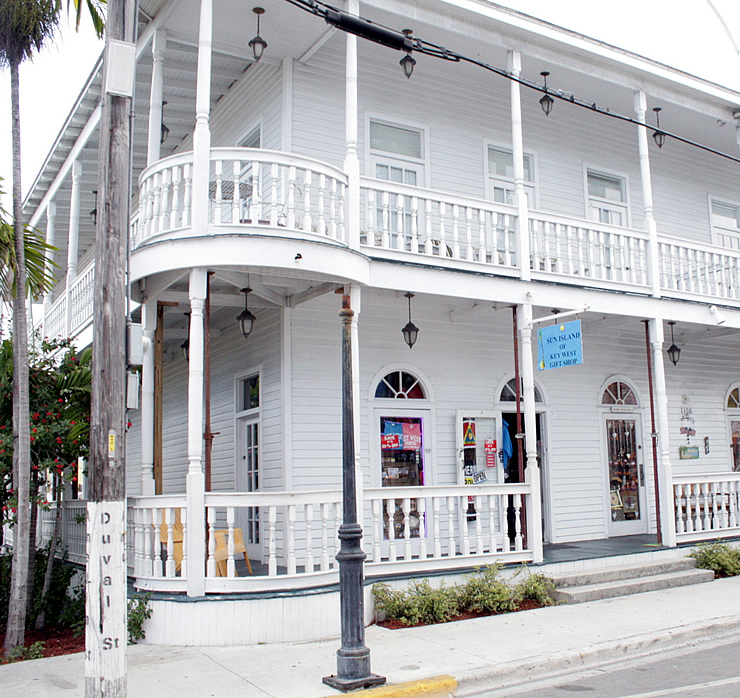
[441,686]
[502,675]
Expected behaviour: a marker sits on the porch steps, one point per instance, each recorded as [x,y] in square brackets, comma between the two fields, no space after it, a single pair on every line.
[609,582]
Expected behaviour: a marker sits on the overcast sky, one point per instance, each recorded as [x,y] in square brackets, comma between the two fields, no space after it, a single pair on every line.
[698,36]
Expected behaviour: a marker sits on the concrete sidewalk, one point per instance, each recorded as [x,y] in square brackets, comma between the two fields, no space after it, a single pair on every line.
[479,654]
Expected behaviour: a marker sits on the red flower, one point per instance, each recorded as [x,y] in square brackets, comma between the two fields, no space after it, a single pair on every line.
[73,422]
[60,400]
[34,430]
[59,439]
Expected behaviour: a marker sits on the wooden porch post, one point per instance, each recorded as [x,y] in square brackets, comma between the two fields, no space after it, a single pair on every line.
[72,243]
[532,474]
[159,46]
[149,321]
[196,516]
[522,244]
[668,519]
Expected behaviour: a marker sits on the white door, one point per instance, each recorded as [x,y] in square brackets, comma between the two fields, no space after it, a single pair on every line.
[626,475]
[248,480]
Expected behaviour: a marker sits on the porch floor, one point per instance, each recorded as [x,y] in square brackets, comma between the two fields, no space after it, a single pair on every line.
[605,547]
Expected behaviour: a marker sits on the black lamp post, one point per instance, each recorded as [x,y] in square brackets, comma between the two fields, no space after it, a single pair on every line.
[353,658]
[674,353]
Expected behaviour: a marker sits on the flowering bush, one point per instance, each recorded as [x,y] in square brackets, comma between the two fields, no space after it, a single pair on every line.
[59,417]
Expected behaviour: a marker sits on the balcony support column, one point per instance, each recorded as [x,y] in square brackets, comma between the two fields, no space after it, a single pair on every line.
[202,132]
[517,141]
[196,483]
[665,467]
[159,46]
[149,321]
[653,259]
[532,473]
[351,160]
[51,218]
[73,242]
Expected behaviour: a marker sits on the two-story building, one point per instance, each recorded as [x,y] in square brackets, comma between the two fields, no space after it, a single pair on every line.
[512,183]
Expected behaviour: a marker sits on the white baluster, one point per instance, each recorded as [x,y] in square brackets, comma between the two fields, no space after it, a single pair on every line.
[230,562]
[414,224]
[211,533]
[478,525]
[291,197]
[451,545]
[428,237]
[455,231]
[169,520]
[307,227]
[271,540]
[462,503]
[184,561]
[236,199]
[678,496]
[390,507]
[321,225]
[421,510]
[442,229]
[218,195]
[377,529]
[175,210]
[333,210]
[435,527]
[733,503]
[518,541]
[468,234]
[187,198]
[406,508]
[290,539]
[325,536]
[155,545]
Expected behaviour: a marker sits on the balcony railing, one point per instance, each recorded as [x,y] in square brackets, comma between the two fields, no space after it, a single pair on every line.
[80,306]
[706,506]
[248,188]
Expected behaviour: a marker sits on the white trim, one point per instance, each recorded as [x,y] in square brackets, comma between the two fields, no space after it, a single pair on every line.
[711,199]
[390,368]
[624,379]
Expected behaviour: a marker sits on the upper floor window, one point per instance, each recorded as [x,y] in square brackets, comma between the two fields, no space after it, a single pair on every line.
[607,198]
[397,153]
[726,224]
[501,176]
[619,393]
[508,392]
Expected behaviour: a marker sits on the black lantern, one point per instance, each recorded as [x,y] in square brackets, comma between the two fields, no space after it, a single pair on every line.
[407,62]
[674,353]
[245,318]
[658,135]
[94,212]
[185,346]
[258,44]
[546,102]
[410,331]
[164,132]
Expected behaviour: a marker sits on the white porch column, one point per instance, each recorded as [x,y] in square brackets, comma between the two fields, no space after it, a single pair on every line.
[517,147]
[51,218]
[149,321]
[665,469]
[653,267]
[532,473]
[351,161]
[73,241]
[196,482]
[356,301]
[159,45]
[202,132]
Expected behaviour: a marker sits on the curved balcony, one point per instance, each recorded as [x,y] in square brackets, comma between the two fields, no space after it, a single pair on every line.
[249,191]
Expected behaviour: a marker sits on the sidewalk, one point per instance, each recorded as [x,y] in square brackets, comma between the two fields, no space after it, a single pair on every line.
[479,654]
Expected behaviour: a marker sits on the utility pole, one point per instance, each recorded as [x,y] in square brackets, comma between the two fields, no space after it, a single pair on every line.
[105,631]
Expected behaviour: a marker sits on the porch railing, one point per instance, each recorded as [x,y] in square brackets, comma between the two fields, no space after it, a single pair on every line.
[706,506]
[74,529]
[80,306]
[437,224]
[585,250]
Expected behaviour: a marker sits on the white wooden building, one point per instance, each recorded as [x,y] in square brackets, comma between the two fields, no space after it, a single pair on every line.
[321,169]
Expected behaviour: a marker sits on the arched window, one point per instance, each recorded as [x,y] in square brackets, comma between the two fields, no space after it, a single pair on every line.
[400,385]
[733,399]
[508,392]
[619,393]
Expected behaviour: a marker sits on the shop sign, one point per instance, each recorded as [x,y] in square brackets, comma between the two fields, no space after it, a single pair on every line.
[559,345]
[688,452]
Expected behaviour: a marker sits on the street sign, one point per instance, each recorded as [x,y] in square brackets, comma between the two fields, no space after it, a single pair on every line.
[559,345]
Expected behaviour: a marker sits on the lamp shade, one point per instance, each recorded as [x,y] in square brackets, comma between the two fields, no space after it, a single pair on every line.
[674,354]
[410,333]
[245,318]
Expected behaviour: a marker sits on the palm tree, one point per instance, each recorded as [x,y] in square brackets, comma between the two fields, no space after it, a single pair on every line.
[25,26]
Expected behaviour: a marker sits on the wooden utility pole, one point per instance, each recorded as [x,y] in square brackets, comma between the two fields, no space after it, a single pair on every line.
[105,631]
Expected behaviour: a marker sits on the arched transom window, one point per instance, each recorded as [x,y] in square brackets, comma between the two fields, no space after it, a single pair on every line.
[733,399]
[508,392]
[401,385]
[619,393]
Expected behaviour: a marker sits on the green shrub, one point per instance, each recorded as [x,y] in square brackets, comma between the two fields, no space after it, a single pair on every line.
[73,615]
[721,558]
[483,592]
[139,610]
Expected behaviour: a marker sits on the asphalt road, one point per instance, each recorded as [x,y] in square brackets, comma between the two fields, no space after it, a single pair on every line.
[701,670]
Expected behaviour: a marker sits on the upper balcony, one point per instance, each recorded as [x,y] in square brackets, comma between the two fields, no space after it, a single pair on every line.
[271,194]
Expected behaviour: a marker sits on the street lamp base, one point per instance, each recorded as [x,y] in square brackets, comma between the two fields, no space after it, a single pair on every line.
[341,684]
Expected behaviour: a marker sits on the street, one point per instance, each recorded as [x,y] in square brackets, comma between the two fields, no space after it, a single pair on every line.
[701,670]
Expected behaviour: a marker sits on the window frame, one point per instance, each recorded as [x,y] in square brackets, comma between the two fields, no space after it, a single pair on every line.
[624,207]
[717,230]
[373,156]
[530,186]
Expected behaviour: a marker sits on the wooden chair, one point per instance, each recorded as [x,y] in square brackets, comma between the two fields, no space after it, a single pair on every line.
[222,551]
[177,537]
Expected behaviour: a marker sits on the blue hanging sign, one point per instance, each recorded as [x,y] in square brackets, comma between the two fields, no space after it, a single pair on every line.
[559,345]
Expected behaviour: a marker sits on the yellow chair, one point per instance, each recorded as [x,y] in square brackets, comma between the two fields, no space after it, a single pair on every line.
[177,537]
[222,551]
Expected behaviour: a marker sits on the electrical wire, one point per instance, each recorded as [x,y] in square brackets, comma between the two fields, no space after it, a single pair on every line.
[321,9]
